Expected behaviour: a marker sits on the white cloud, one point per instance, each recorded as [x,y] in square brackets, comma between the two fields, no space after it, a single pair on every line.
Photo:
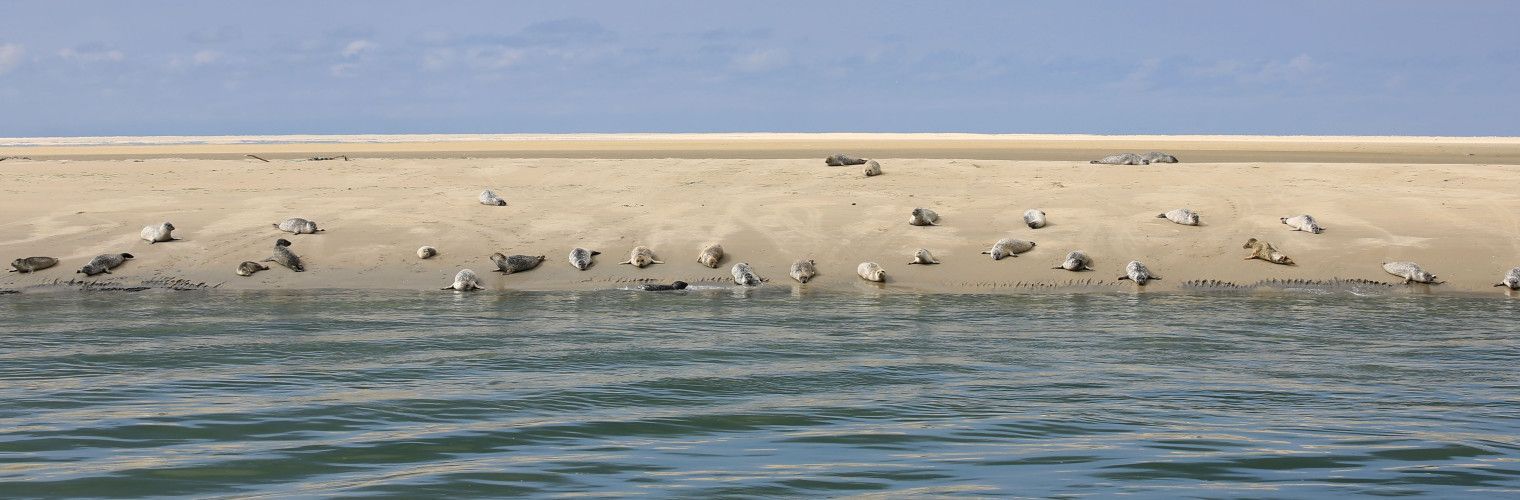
[206,57]
[1299,69]
[357,47]
[761,60]
[91,54]
[10,56]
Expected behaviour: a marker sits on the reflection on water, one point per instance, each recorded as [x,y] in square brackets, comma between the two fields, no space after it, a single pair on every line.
[770,392]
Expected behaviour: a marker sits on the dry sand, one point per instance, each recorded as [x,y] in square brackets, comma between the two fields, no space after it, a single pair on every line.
[1429,200]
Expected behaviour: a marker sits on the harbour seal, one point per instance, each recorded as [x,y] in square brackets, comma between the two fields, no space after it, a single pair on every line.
[103,263]
[641,256]
[426,252]
[804,270]
[1122,159]
[283,256]
[1411,273]
[247,268]
[1138,273]
[159,233]
[1265,251]
[297,225]
[32,264]
[743,275]
[1034,218]
[1304,222]
[840,160]
[922,256]
[872,168]
[1076,260]
[1009,247]
[465,281]
[710,255]
[1158,157]
[489,198]
[1511,279]
[923,217]
[1181,216]
[515,263]
[678,285]
[871,271]
[581,258]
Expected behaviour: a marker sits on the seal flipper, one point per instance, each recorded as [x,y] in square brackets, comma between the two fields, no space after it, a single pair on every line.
[1160,216]
[595,253]
[656,262]
[1122,278]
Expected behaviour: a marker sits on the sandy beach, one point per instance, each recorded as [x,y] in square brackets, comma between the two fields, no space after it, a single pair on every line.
[1446,203]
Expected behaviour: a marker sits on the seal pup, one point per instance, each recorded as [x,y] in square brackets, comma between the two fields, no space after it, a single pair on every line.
[426,252]
[922,256]
[1034,218]
[465,281]
[1511,279]
[923,217]
[156,234]
[743,275]
[32,264]
[871,271]
[804,270]
[1122,159]
[297,225]
[1181,216]
[489,198]
[872,168]
[1138,273]
[1076,260]
[1411,273]
[581,258]
[840,160]
[103,263]
[641,256]
[1158,157]
[247,268]
[710,255]
[1304,222]
[515,263]
[283,256]
[678,285]
[1265,251]
[1009,247]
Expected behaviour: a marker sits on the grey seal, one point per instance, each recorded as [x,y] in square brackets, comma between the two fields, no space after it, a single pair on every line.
[1122,159]
[32,264]
[465,281]
[581,258]
[515,263]
[247,268]
[1304,222]
[743,275]
[1411,273]
[840,160]
[489,198]
[283,256]
[103,263]
[641,256]
[923,217]
[426,252]
[872,168]
[871,271]
[1511,279]
[710,255]
[1076,260]
[1181,216]
[1034,218]
[1009,247]
[1158,157]
[678,285]
[804,270]
[157,234]
[297,225]
[1265,251]
[922,256]
[1138,273]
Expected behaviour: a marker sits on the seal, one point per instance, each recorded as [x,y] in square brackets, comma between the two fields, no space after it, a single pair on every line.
[465,281]
[1181,216]
[1076,260]
[1034,218]
[743,275]
[32,264]
[297,225]
[804,270]
[247,268]
[641,256]
[840,160]
[678,285]
[1158,157]
[872,168]
[710,255]
[871,271]
[1411,273]
[1009,247]
[1122,159]
[1265,251]
[923,217]
[1304,222]
[581,258]
[922,256]
[1511,279]
[489,198]
[515,263]
[156,234]
[283,256]
[103,263]
[426,252]
[1138,273]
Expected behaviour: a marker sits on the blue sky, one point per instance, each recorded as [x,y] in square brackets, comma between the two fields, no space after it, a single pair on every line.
[271,67]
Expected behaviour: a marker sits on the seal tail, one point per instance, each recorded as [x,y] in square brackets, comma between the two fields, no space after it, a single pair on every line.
[594,252]
[1095,162]
[1160,216]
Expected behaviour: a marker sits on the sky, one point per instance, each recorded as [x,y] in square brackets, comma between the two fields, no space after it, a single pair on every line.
[76,68]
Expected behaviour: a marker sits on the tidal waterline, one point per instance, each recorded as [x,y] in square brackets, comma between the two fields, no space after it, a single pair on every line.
[716,392]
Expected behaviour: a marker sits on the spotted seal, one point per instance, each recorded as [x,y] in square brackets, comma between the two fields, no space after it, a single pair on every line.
[678,285]
[426,252]
[1122,159]
[1158,157]
[710,255]
[489,198]
[1411,273]
[157,234]
[872,168]
[297,225]
[804,270]
[247,268]
[581,258]
[1034,218]
[922,256]
[641,256]
[1138,273]
[923,217]
[32,264]
[1076,260]
[743,275]
[515,263]
[840,160]
[1009,247]
[103,263]
[1265,251]
[1181,216]
[283,256]
[465,281]
[871,271]
[1511,279]
[1304,222]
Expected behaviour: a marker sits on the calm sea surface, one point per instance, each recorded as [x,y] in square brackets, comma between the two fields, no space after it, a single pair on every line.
[715,393]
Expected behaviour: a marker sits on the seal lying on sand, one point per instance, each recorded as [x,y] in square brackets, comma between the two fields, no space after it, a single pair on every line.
[248,267]
[1122,159]
[1511,279]
[922,256]
[1034,218]
[872,168]
[581,258]
[297,225]
[804,270]
[1411,273]
[489,198]
[1076,260]
[1181,216]
[923,217]
[1138,273]
[1158,157]
[103,263]
[283,256]
[1304,222]
[32,264]
[1009,247]
[840,160]
[464,281]
[710,255]
[641,256]
[515,263]
[156,234]
[1265,251]
[871,271]
[679,285]
[743,275]
[426,252]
